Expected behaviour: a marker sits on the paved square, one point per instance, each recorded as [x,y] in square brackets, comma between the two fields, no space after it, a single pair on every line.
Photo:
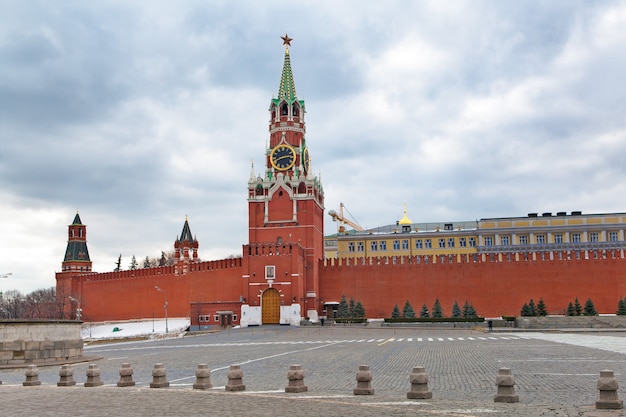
[555,374]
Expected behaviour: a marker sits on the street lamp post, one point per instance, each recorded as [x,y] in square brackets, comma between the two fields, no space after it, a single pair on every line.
[164,305]
[79,311]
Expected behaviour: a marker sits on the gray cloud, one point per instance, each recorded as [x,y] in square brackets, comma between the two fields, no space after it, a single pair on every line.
[139,114]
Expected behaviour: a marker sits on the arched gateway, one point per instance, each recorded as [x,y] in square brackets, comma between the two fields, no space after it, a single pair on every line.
[270,303]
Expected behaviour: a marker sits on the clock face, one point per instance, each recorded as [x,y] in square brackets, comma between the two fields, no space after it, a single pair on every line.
[283,157]
[306,160]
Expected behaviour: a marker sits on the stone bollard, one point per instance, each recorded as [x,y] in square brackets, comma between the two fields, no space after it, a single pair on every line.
[364,381]
[235,379]
[506,387]
[296,379]
[203,377]
[419,385]
[66,375]
[607,384]
[93,376]
[159,377]
[126,376]
[32,376]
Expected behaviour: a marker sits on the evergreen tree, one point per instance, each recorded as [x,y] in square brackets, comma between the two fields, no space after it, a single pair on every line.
[395,314]
[456,310]
[343,311]
[408,311]
[471,313]
[468,310]
[118,264]
[163,260]
[590,310]
[146,262]
[437,310]
[526,311]
[424,312]
[577,307]
[621,307]
[133,263]
[532,307]
[570,309]
[359,311]
[542,310]
[351,306]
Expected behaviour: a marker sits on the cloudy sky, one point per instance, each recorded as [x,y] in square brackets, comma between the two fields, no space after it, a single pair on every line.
[140,113]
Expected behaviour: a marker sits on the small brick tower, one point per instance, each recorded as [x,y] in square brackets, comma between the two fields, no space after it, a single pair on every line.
[185,249]
[76,254]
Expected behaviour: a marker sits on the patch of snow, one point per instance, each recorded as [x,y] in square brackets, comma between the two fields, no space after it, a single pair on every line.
[150,328]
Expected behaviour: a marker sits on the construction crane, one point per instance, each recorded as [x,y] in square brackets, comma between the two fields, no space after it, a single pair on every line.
[339,217]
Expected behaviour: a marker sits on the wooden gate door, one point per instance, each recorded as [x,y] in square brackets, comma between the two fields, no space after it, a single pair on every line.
[270,303]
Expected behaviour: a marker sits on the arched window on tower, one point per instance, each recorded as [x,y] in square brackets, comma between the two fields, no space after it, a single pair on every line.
[295,110]
[284,109]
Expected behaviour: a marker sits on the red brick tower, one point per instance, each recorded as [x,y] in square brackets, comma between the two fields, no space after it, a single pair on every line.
[185,249]
[286,209]
[75,263]
[76,254]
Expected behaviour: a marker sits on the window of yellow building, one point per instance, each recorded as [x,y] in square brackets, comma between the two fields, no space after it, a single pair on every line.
[418,244]
[428,243]
[593,237]
[575,237]
[396,245]
[541,239]
[462,242]
[472,242]
[523,240]
[383,245]
[558,238]
[488,241]
[451,242]
[442,243]
[504,240]
[613,236]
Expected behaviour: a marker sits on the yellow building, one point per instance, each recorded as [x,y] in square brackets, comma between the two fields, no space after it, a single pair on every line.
[533,233]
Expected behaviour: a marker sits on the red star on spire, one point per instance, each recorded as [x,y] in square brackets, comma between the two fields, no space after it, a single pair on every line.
[286,40]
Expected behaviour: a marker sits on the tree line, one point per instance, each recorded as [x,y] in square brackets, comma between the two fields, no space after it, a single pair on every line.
[39,304]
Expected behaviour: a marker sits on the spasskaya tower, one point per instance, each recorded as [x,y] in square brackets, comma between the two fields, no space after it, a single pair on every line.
[286,202]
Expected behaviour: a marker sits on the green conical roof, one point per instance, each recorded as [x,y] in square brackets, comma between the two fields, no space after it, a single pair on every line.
[186,233]
[77,219]
[287,87]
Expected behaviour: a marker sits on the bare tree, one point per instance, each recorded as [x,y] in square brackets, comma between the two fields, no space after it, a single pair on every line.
[41,304]
[12,304]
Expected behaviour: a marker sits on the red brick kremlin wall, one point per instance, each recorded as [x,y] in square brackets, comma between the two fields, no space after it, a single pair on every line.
[132,294]
[494,288]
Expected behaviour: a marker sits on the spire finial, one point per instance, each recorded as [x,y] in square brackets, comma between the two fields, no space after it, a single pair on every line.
[286,41]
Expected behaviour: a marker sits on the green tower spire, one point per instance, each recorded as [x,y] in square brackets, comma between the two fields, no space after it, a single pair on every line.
[287,88]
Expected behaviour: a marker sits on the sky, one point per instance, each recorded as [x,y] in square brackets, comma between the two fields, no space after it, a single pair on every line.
[138,114]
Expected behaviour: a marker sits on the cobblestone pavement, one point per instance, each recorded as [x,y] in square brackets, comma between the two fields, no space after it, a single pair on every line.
[555,374]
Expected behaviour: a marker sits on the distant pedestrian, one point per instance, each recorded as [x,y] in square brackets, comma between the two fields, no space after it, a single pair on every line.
[490,324]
